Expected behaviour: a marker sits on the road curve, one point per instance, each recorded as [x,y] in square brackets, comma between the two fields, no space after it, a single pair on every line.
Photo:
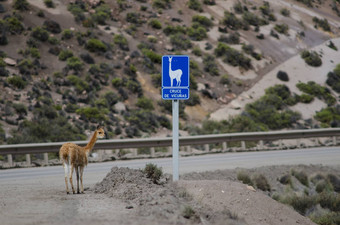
[95,172]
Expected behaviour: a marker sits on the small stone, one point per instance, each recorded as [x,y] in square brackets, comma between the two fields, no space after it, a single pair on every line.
[129,207]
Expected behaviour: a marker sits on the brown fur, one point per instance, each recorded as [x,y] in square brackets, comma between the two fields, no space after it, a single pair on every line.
[76,157]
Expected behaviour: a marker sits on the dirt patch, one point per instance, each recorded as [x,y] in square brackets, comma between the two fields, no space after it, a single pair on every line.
[201,198]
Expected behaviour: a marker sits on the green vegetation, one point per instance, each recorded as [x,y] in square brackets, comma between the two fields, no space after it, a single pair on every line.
[244,178]
[121,41]
[323,23]
[17,82]
[210,65]
[282,28]
[317,90]
[261,182]
[66,34]
[232,21]
[49,3]
[180,41]
[312,58]
[197,32]
[232,38]
[195,5]
[301,176]
[40,33]
[79,84]
[285,12]
[74,63]
[232,56]
[153,172]
[21,5]
[92,114]
[65,54]
[145,103]
[329,117]
[333,78]
[161,4]
[95,45]
[203,21]
[188,212]
[102,13]
[12,24]
[156,24]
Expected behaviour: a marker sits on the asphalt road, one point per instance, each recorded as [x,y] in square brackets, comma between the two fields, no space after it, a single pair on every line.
[95,172]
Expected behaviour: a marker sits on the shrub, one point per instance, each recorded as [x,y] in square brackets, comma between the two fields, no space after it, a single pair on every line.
[65,54]
[174,30]
[53,40]
[244,177]
[74,63]
[261,182]
[335,181]
[13,25]
[21,5]
[17,81]
[197,32]
[285,179]
[153,172]
[330,201]
[306,98]
[232,56]
[327,219]
[78,83]
[117,82]
[285,12]
[322,186]
[317,90]
[282,75]
[180,42]
[233,38]
[93,114]
[153,56]
[77,10]
[202,20]
[197,51]
[193,100]
[323,23]
[145,103]
[161,4]
[133,17]
[121,41]
[20,108]
[333,79]
[282,28]
[329,116]
[67,34]
[232,21]
[312,58]
[156,24]
[103,12]
[210,65]
[49,3]
[301,176]
[188,212]
[300,203]
[95,45]
[40,34]
[253,19]
[195,5]
[225,79]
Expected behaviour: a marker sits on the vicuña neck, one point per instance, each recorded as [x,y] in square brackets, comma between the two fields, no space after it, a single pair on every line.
[91,143]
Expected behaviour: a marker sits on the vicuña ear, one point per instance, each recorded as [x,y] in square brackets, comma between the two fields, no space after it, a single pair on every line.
[99,126]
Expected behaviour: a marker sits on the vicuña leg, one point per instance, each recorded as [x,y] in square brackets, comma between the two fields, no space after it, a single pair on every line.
[77,174]
[71,173]
[66,173]
[81,170]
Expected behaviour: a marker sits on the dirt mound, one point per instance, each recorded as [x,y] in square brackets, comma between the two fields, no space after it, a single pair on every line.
[164,203]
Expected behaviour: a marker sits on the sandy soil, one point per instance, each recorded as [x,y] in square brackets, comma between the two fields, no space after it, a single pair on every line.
[296,69]
[126,196]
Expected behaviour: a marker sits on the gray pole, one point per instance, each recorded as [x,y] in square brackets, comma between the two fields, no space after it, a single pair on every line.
[175,142]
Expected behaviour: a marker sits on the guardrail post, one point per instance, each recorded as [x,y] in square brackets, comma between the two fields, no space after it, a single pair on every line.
[206,147]
[134,151]
[188,148]
[28,159]
[46,158]
[224,146]
[261,144]
[280,144]
[298,142]
[334,140]
[152,152]
[10,160]
[243,145]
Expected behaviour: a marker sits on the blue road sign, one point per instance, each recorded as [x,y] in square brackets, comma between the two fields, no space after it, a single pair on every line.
[175,77]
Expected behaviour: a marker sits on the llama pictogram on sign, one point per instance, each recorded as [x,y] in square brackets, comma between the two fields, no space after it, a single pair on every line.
[175,77]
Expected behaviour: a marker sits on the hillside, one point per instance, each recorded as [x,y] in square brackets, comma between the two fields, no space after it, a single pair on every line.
[66,66]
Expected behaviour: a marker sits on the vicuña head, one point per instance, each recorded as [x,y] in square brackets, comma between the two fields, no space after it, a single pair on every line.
[170,59]
[75,157]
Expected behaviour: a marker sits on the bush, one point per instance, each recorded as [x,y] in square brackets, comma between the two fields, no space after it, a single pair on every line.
[197,32]
[330,201]
[285,12]
[121,41]
[312,58]
[103,12]
[210,65]
[133,17]
[323,23]
[74,63]
[65,54]
[13,25]
[195,5]
[49,3]
[21,5]
[153,56]
[174,30]
[17,81]
[79,84]
[153,172]
[261,182]
[317,90]
[180,42]
[193,100]
[285,179]
[203,21]
[93,114]
[329,116]
[232,21]
[333,79]
[282,28]
[40,34]
[67,34]
[252,19]
[244,177]
[301,176]
[233,38]
[95,45]
[188,212]
[225,79]
[306,98]
[232,56]
[281,75]
[156,24]
[145,103]
[300,203]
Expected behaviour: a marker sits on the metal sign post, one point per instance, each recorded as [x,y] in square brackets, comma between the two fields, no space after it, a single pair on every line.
[175,86]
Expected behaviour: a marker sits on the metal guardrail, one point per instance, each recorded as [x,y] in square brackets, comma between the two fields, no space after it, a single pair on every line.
[183,141]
